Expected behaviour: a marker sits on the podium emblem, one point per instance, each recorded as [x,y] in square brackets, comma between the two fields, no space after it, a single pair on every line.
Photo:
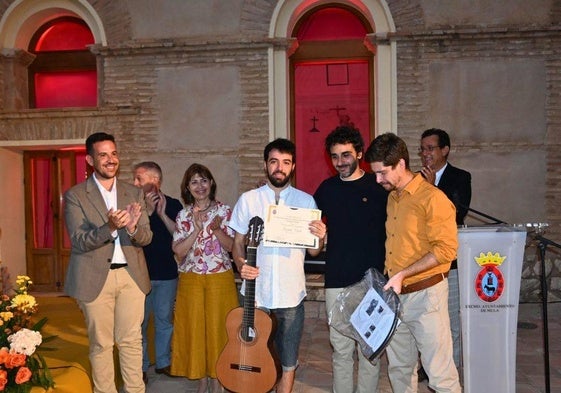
[489,282]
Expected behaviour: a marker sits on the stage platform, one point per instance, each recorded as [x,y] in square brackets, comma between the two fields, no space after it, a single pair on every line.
[68,361]
[71,367]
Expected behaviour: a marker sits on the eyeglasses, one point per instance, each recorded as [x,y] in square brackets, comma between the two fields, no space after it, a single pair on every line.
[428,148]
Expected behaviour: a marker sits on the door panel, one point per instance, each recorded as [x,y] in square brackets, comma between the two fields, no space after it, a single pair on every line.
[327,95]
[48,174]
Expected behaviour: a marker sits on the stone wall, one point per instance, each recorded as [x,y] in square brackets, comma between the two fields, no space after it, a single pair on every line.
[531,286]
[199,92]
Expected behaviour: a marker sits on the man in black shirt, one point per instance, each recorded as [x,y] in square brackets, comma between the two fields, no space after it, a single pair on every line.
[354,207]
[162,266]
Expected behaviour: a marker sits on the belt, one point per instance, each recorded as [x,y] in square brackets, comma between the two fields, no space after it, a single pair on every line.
[423,284]
[117,266]
[454,264]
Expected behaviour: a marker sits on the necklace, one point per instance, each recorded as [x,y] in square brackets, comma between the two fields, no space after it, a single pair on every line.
[200,209]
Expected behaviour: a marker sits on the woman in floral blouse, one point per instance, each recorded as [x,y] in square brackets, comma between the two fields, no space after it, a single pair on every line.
[206,290]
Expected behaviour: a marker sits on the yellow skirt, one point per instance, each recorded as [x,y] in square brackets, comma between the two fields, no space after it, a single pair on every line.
[199,327]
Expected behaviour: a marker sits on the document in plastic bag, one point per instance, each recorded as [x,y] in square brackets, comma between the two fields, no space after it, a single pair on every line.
[367,313]
[373,319]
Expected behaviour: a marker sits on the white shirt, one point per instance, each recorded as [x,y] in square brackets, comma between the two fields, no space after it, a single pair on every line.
[281,282]
[110,198]
[438,174]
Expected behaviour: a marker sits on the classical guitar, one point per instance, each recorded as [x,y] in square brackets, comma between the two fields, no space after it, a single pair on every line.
[247,364]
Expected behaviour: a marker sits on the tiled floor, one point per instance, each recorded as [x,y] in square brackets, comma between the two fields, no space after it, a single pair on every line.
[314,374]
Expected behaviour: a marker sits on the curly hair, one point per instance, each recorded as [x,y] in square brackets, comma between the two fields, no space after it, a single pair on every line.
[343,135]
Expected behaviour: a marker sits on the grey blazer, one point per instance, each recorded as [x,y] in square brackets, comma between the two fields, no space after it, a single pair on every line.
[92,244]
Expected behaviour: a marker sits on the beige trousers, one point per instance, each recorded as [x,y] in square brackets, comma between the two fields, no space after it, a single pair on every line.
[343,359]
[424,329]
[114,317]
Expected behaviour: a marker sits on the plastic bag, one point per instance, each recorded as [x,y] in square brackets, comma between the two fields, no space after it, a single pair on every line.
[366,313]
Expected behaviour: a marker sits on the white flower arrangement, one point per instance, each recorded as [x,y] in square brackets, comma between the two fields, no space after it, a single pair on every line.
[25,341]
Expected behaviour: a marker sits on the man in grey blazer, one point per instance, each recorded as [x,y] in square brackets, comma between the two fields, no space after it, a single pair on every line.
[107,275]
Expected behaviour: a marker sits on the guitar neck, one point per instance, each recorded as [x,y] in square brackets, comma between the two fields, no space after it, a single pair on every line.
[249,295]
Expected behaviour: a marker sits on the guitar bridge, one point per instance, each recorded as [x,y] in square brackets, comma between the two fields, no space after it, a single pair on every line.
[245,367]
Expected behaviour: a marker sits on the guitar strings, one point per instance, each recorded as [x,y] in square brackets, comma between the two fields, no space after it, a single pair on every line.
[248,323]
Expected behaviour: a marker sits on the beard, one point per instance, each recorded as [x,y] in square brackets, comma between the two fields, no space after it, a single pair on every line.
[103,172]
[388,186]
[279,183]
[347,170]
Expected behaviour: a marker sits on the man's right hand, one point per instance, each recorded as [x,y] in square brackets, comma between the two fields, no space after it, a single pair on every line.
[152,199]
[429,174]
[248,272]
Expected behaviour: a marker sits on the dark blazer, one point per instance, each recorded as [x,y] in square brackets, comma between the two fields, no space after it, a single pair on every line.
[456,184]
[85,213]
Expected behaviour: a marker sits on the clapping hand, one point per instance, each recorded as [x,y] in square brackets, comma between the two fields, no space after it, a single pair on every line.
[429,174]
[160,203]
[118,218]
[215,223]
[152,199]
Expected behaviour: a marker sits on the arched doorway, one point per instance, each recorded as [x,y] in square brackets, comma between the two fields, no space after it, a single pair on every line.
[38,244]
[377,15]
[373,55]
[331,86]
[63,74]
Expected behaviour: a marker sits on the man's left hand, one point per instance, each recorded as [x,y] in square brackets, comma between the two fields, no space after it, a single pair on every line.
[318,228]
[395,283]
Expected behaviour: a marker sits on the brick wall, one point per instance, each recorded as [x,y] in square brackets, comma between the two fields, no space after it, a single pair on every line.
[128,86]
[416,51]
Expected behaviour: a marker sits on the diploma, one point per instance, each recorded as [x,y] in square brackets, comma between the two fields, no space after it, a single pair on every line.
[287,226]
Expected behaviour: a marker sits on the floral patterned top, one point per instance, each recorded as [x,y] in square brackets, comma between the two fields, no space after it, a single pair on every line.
[207,255]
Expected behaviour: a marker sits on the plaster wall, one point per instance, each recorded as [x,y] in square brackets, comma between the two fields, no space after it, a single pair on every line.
[198,110]
[171,19]
[12,213]
[485,12]
[490,100]
[198,107]
[506,185]
[495,113]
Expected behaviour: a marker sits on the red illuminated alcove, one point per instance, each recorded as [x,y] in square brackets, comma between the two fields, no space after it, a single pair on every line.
[330,24]
[64,72]
[331,87]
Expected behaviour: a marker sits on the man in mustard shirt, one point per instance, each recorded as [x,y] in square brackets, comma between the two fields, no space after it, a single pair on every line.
[420,245]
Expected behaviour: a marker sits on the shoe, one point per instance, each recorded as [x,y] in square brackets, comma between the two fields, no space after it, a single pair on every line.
[422,374]
[164,370]
[145,377]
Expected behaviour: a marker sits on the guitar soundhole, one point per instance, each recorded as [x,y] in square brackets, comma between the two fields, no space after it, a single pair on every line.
[248,334]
